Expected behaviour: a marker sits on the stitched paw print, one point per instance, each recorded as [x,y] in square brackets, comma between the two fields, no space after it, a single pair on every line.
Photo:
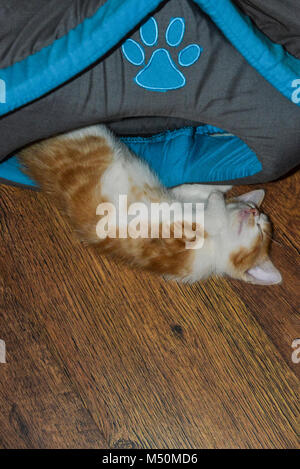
[161,73]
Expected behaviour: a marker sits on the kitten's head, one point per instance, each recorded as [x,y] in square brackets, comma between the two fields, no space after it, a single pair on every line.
[246,241]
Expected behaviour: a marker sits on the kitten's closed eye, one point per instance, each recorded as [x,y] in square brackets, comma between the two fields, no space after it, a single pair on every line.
[252,211]
[248,217]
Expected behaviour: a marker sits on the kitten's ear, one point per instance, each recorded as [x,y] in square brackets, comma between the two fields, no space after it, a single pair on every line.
[256,197]
[264,273]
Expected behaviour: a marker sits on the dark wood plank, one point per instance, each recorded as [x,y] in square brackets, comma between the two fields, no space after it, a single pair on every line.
[39,402]
[99,355]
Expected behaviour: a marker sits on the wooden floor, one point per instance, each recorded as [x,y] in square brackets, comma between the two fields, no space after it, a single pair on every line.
[100,356]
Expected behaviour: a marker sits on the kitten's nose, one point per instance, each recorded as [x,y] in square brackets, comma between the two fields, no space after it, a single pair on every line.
[251,211]
[254,211]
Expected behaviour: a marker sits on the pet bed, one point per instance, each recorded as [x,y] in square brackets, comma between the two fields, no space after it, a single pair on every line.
[204,90]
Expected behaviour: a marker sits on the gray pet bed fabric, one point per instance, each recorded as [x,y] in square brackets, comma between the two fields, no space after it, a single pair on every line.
[221,88]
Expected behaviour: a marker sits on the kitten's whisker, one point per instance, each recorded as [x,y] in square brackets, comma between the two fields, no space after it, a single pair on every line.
[272,239]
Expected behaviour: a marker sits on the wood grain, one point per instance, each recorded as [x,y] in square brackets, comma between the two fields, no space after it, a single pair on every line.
[102,356]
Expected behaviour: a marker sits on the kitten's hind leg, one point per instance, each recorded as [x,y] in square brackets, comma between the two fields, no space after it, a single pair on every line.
[196,192]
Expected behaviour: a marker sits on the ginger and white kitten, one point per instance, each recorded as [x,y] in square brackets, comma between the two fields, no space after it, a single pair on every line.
[85,168]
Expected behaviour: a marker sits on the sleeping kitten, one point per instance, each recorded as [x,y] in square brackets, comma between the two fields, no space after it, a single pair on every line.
[88,167]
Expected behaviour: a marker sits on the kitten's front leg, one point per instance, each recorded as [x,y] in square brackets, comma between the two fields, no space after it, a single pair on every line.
[196,192]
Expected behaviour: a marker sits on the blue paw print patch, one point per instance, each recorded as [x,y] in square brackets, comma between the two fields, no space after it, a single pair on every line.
[161,73]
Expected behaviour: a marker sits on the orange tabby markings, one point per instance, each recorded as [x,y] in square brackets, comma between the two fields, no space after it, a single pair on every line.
[243,259]
[84,169]
[70,170]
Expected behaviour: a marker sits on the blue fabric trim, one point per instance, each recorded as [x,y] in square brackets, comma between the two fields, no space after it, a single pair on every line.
[180,156]
[10,170]
[43,71]
[276,65]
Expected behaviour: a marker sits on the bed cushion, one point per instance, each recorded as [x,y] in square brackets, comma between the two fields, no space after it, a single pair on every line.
[166,65]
